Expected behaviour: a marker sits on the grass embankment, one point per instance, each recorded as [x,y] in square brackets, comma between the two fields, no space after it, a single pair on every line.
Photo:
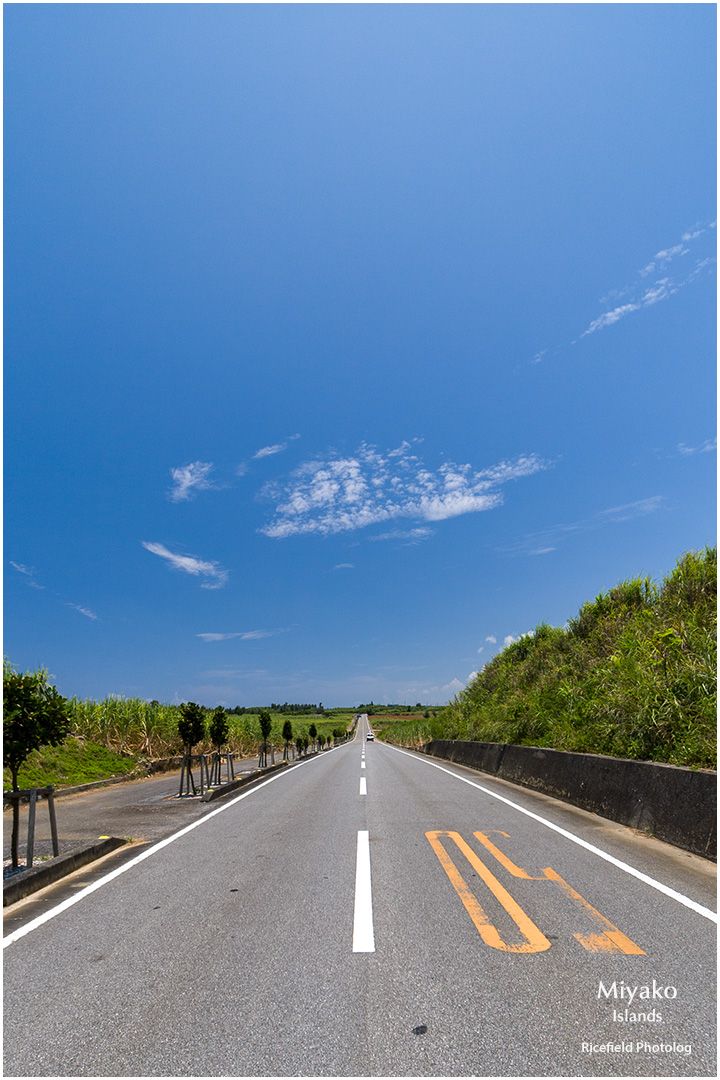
[112,737]
[634,675]
[73,762]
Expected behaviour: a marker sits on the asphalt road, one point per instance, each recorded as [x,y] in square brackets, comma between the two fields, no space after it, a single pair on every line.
[145,809]
[430,921]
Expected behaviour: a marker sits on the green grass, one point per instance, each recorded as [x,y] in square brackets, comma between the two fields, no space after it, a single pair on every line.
[74,761]
[633,675]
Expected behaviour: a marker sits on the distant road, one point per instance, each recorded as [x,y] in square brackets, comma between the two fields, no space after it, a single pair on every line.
[372,912]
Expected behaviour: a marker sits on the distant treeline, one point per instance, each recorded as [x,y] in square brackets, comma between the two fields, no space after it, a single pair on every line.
[241,710]
[633,675]
[388,710]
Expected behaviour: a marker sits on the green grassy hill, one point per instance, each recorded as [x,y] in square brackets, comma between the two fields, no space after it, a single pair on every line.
[633,675]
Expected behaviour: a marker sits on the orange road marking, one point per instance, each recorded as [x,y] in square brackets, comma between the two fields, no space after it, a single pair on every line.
[610,940]
[535,940]
[509,865]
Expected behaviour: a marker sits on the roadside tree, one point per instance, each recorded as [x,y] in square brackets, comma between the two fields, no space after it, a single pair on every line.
[287,734]
[218,730]
[191,729]
[265,729]
[34,715]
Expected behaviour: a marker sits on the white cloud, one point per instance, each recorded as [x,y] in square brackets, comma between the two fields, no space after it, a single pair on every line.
[661,290]
[471,676]
[276,448]
[708,446]
[344,566]
[641,296]
[263,452]
[22,569]
[492,639]
[27,572]
[627,511]
[509,640]
[189,479]
[610,317]
[268,451]
[668,254]
[412,536]
[481,649]
[342,494]
[217,576]
[244,635]
[541,543]
[83,611]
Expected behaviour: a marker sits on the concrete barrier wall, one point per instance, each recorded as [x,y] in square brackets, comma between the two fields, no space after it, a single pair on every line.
[673,803]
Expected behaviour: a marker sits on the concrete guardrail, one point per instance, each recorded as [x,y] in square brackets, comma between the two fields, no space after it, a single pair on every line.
[670,802]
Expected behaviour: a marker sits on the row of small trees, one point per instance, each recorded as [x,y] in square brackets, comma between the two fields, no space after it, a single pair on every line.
[192,730]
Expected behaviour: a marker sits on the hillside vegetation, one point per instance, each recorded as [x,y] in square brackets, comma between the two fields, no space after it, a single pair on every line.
[633,675]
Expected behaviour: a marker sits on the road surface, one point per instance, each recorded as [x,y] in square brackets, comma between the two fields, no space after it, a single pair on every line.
[373,912]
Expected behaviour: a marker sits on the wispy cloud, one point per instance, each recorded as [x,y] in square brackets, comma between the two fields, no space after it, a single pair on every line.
[409,536]
[340,494]
[708,446]
[492,639]
[344,566]
[641,295]
[83,611]
[28,574]
[264,452]
[542,543]
[189,479]
[268,451]
[664,258]
[216,575]
[233,673]
[244,635]
[276,448]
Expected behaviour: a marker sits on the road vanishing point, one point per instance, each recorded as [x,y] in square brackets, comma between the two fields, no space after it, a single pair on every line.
[373,912]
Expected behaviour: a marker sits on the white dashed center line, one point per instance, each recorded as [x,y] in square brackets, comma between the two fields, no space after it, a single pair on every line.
[363,934]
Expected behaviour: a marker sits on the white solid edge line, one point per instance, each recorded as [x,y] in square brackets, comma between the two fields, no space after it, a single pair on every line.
[71,900]
[363,934]
[363,786]
[681,899]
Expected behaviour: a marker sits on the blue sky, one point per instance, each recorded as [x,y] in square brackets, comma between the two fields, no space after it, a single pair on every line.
[345,342]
